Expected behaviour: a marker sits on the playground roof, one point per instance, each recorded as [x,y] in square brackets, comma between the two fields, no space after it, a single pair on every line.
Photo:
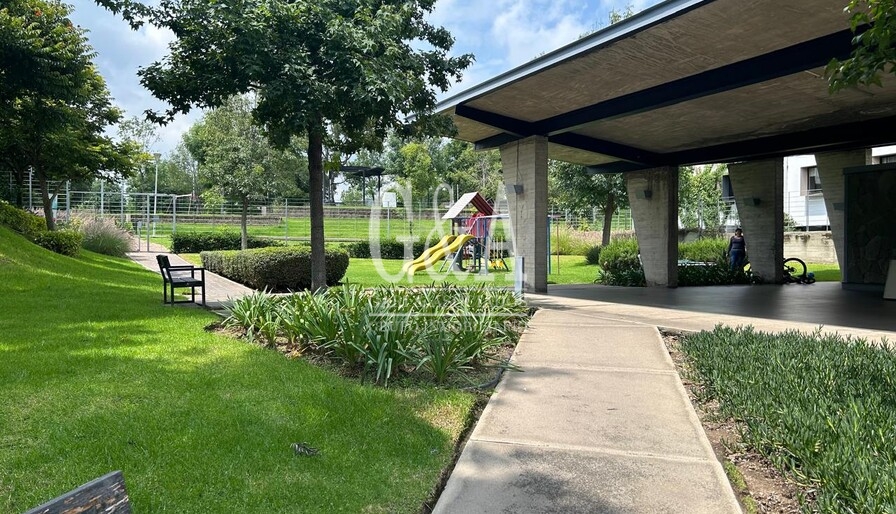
[686,82]
[480,203]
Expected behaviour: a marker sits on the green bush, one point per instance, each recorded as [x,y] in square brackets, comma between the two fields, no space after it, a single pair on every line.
[715,274]
[818,406]
[195,242]
[620,264]
[710,249]
[593,255]
[276,269]
[105,237]
[23,222]
[65,242]
[389,248]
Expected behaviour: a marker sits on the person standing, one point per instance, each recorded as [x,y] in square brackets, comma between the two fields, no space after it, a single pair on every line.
[737,250]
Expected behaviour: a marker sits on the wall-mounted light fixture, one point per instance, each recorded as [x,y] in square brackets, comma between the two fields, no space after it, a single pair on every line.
[750,200]
[646,194]
[516,189]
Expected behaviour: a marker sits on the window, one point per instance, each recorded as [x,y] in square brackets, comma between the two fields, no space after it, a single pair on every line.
[810,180]
[887,159]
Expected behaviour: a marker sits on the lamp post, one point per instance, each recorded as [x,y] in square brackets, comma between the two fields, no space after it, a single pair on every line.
[155,194]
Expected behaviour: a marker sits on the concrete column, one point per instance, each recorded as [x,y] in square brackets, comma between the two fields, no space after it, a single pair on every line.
[653,196]
[758,188]
[830,170]
[525,165]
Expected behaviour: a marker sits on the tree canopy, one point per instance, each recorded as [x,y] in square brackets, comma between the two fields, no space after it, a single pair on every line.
[874,55]
[55,118]
[361,66]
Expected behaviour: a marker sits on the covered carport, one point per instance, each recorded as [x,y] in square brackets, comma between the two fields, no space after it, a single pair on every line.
[690,82]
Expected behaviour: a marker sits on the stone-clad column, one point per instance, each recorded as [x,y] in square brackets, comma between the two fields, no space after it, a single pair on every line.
[653,196]
[525,165]
[830,171]
[758,188]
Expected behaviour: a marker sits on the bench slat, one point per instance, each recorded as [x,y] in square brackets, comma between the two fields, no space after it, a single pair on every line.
[105,494]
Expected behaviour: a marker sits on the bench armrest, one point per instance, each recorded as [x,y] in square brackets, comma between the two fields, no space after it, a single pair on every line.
[185,268]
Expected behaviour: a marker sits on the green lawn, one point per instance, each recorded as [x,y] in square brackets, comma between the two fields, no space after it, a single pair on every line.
[97,375]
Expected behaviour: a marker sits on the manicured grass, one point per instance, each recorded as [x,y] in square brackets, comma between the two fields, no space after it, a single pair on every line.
[334,228]
[819,407]
[824,272]
[97,375]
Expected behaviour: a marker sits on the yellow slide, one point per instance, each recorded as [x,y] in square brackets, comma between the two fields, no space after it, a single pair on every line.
[437,253]
[445,241]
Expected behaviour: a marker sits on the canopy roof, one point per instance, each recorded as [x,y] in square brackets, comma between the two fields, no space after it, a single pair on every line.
[686,82]
[478,201]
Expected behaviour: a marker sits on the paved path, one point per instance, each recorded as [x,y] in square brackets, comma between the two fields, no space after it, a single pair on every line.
[218,290]
[598,421]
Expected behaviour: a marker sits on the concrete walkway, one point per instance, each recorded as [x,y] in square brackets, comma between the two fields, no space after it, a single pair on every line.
[598,421]
[219,291]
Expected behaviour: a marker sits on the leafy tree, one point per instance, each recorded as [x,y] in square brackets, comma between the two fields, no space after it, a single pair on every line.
[358,65]
[53,124]
[573,188]
[700,195]
[874,24]
[235,156]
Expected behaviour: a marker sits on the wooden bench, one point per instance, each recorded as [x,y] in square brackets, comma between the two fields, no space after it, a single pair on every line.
[106,494]
[182,277]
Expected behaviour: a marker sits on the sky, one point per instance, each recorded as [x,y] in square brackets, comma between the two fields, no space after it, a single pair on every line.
[501,34]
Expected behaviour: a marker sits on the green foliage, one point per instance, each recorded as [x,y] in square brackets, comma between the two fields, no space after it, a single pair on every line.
[566,240]
[105,237]
[593,255]
[818,406]
[714,274]
[276,269]
[874,24]
[572,188]
[442,331]
[64,242]
[700,196]
[707,249]
[389,248]
[620,264]
[21,220]
[195,242]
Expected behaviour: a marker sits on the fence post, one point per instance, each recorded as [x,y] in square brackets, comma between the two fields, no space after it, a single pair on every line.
[286,220]
[102,197]
[68,200]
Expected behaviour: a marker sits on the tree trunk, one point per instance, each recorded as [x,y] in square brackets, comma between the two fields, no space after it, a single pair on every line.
[609,210]
[316,192]
[244,233]
[47,200]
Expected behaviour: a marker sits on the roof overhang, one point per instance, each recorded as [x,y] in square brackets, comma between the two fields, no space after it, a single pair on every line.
[686,82]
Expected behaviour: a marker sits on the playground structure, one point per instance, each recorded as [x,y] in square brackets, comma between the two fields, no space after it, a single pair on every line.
[470,246]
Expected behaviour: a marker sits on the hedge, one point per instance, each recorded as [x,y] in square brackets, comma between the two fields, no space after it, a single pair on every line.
[23,222]
[389,249]
[65,242]
[195,242]
[279,269]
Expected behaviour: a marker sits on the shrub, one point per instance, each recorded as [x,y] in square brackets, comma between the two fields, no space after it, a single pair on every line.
[23,222]
[593,255]
[389,248]
[715,274]
[105,237]
[277,269]
[65,242]
[710,249]
[195,242]
[620,264]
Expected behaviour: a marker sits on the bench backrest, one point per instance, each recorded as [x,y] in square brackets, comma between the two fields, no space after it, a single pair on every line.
[164,263]
[106,494]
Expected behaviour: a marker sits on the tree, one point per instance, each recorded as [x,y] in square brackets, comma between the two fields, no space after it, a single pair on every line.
[55,125]
[359,66]
[874,24]
[573,188]
[700,195]
[236,157]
